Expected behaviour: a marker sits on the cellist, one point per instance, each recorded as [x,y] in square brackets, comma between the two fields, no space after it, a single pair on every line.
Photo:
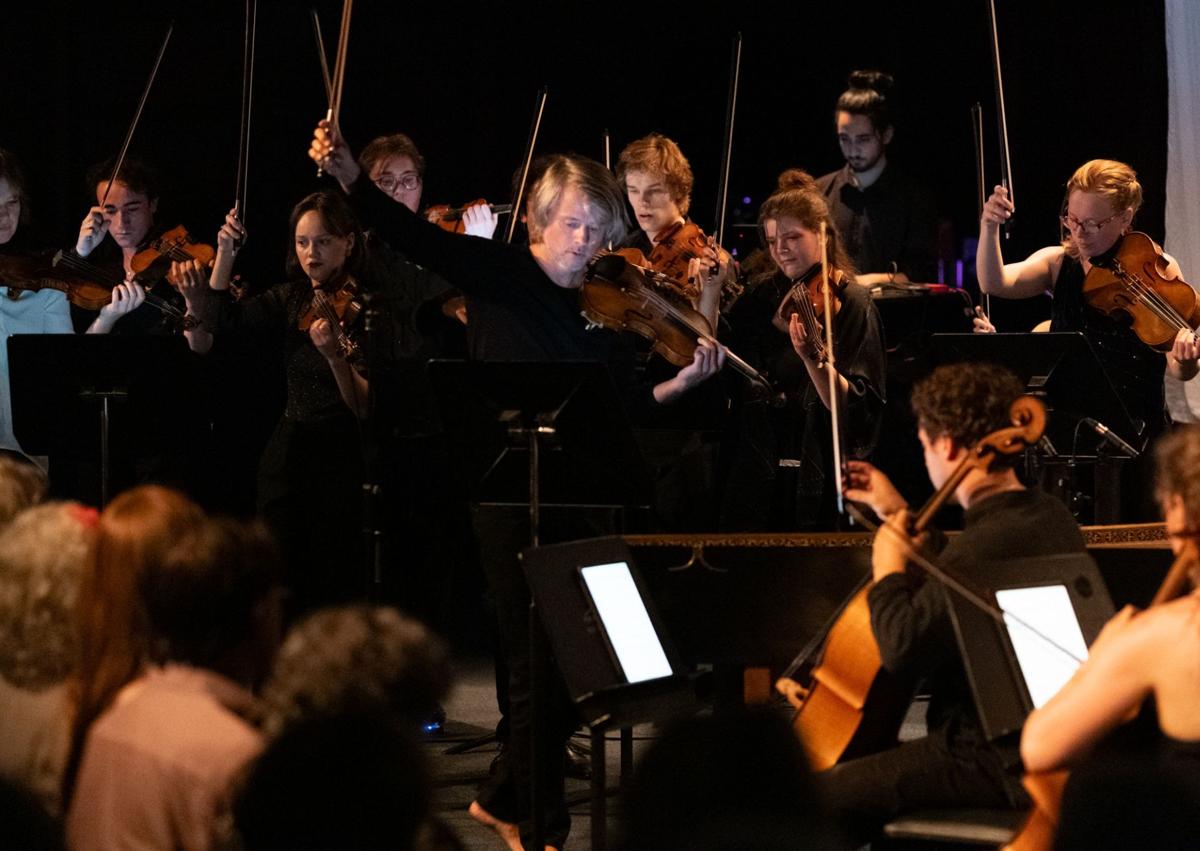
[955,764]
[1138,656]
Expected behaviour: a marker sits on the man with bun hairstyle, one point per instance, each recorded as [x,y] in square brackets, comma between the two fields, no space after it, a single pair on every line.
[886,217]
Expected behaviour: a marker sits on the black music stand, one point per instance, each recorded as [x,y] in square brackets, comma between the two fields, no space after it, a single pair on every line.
[997,684]
[541,434]
[1062,369]
[143,388]
[595,681]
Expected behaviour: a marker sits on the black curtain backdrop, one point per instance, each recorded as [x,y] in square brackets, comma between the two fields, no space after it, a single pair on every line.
[1082,80]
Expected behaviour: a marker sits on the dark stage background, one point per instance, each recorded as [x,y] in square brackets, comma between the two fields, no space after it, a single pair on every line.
[460,78]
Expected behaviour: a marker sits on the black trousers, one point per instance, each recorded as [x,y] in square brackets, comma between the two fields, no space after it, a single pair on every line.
[502,533]
[865,794]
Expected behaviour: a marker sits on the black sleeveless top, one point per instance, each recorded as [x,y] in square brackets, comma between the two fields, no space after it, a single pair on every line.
[1135,369]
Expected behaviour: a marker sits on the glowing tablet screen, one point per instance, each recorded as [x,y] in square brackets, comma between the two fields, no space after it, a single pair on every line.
[625,619]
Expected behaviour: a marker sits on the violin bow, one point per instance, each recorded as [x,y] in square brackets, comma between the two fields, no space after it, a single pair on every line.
[735,68]
[339,72]
[835,386]
[519,195]
[137,116]
[980,178]
[321,55]
[243,166]
[1001,115]
[607,150]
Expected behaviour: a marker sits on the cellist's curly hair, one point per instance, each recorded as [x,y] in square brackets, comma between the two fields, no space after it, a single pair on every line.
[656,154]
[1177,469]
[966,402]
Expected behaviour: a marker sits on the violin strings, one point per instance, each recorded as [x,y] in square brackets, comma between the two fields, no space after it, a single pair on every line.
[1153,300]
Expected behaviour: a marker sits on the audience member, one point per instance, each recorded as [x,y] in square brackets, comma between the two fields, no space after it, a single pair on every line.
[22,484]
[158,764]
[42,556]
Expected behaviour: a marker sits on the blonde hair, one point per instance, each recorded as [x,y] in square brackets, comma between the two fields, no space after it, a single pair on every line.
[589,177]
[1114,181]
[656,154]
[42,556]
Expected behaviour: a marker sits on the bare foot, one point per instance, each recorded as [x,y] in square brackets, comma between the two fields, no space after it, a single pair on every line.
[506,830]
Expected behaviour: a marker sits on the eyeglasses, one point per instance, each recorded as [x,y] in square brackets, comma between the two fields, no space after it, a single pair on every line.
[1087,227]
[389,184]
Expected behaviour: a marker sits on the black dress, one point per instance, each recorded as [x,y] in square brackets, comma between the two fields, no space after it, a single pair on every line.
[761,495]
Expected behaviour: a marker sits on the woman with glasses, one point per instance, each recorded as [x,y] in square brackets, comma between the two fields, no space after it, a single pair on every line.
[1102,199]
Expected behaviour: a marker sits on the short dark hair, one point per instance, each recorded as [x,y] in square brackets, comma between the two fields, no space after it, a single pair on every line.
[965,401]
[869,95]
[202,600]
[10,170]
[392,145]
[138,175]
[338,219]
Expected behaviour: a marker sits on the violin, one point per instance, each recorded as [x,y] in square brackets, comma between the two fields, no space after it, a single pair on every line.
[153,261]
[806,299]
[1129,281]
[451,218]
[674,250]
[852,706]
[85,285]
[617,295]
[340,309]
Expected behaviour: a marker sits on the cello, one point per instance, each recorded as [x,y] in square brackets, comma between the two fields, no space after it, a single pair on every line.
[852,707]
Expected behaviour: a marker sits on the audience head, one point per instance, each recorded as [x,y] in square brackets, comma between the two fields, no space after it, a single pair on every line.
[22,484]
[357,659]
[43,553]
[213,601]
[335,782]
[722,782]
[1177,483]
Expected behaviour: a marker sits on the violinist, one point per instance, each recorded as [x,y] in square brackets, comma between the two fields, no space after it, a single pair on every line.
[396,166]
[681,448]
[525,306]
[955,765]
[658,183]
[1138,657]
[886,217]
[310,475]
[127,216]
[766,326]
[42,312]
[1102,198]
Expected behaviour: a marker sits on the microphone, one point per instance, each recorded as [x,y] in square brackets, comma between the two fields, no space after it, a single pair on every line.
[1111,437]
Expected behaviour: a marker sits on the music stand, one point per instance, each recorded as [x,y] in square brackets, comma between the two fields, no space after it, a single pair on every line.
[998,685]
[1060,367]
[541,434]
[584,650]
[64,385]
